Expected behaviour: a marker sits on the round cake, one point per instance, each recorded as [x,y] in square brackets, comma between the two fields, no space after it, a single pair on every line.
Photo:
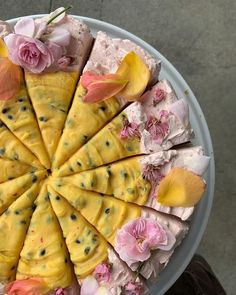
[99,177]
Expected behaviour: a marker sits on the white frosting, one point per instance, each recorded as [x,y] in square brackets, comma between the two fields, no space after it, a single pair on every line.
[190,158]
[160,258]
[120,274]
[108,52]
[148,97]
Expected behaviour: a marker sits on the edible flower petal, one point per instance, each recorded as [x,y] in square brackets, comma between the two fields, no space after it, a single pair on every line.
[133,69]
[10,75]
[101,87]
[158,128]
[136,239]
[134,288]
[130,129]
[180,188]
[32,286]
[102,272]
[25,26]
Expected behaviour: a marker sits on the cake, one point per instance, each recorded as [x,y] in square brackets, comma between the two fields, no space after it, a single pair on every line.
[99,178]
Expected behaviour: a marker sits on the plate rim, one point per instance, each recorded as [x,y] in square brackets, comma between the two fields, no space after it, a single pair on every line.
[207,139]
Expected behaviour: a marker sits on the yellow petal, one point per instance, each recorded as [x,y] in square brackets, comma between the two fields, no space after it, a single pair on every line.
[3,49]
[133,69]
[180,188]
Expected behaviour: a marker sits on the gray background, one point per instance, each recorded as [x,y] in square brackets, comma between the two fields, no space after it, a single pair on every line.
[199,38]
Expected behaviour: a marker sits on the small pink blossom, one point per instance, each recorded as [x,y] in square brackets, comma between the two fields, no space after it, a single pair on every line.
[61,291]
[130,129]
[159,95]
[158,128]
[136,239]
[65,61]
[31,54]
[134,288]
[152,174]
[102,272]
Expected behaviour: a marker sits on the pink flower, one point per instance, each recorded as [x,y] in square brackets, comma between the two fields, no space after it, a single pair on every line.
[134,288]
[159,95]
[102,272]
[65,61]
[130,129]
[158,129]
[32,286]
[61,291]
[136,239]
[31,54]
[152,174]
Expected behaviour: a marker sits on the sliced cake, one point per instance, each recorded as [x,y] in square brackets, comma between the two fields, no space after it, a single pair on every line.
[11,148]
[136,179]
[138,129]
[110,216]
[105,58]
[17,114]
[94,260]
[13,169]
[44,255]
[14,225]
[12,189]
[51,93]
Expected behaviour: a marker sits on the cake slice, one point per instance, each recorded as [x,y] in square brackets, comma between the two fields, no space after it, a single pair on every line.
[44,255]
[110,216]
[51,93]
[13,225]
[17,114]
[12,189]
[137,179]
[13,169]
[11,148]
[89,251]
[84,119]
[141,128]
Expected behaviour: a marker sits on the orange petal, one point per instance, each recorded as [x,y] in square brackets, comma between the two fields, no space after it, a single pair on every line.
[133,69]
[3,49]
[32,286]
[101,87]
[180,188]
[10,75]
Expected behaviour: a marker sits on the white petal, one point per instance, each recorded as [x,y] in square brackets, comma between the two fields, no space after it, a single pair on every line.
[55,12]
[25,26]
[59,36]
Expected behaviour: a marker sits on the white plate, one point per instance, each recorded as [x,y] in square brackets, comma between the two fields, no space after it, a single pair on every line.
[185,252]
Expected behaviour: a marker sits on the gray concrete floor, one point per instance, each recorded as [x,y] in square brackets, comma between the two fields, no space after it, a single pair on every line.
[199,38]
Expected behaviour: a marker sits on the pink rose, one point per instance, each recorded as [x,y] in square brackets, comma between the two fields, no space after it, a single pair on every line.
[136,239]
[29,53]
[102,272]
